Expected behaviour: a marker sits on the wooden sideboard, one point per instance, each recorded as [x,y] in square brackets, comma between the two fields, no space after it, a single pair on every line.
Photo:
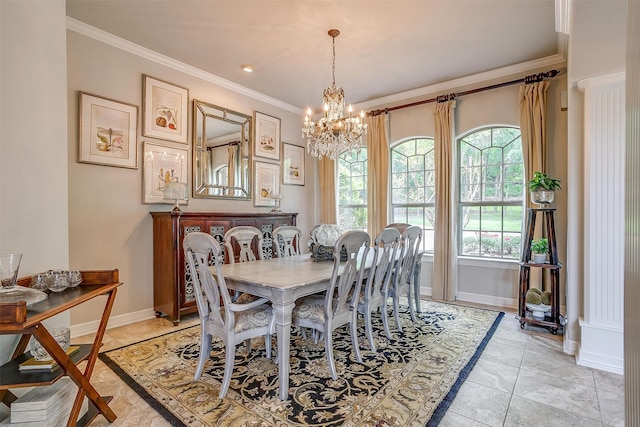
[173,293]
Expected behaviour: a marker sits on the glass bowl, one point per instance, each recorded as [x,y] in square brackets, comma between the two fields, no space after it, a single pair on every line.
[62,337]
[59,280]
[75,278]
[40,281]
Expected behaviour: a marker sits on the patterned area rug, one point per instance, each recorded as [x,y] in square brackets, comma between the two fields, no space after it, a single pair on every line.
[410,380]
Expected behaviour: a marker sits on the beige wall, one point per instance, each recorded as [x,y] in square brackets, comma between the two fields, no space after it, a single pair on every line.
[33,139]
[110,227]
[489,281]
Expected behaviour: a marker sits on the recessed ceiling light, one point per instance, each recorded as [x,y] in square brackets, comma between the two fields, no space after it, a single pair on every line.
[248,68]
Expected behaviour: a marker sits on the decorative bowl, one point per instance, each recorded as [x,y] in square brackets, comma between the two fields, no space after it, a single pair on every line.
[539,310]
[59,281]
[62,337]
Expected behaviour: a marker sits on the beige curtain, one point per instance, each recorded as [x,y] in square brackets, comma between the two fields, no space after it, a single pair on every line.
[532,107]
[328,210]
[231,165]
[533,117]
[445,265]
[378,174]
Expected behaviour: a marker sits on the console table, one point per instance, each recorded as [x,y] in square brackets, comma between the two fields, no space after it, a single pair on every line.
[173,292]
[16,318]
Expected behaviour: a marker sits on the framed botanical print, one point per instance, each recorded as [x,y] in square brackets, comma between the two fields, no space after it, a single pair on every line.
[165,108]
[163,164]
[267,136]
[292,164]
[108,133]
[266,183]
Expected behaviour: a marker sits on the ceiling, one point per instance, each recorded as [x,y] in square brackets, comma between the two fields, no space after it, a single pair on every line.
[384,47]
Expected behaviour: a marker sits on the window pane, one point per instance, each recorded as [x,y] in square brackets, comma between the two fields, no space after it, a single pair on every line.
[470,218]
[491,218]
[513,218]
[511,245]
[470,243]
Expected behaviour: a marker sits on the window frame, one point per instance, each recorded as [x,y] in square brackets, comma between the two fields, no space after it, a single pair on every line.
[502,204]
[352,206]
[408,206]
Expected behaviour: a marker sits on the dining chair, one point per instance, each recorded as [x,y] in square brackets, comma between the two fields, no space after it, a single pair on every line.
[376,285]
[287,240]
[417,268]
[401,283]
[325,313]
[243,236]
[231,322]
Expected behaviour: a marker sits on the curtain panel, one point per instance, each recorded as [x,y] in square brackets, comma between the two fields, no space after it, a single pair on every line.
[445,257]
[377,174]
[328,207]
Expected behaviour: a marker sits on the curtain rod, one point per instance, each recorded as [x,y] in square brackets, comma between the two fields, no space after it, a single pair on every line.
[533,78]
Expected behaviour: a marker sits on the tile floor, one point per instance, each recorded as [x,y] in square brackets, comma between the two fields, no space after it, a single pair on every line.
[522,379]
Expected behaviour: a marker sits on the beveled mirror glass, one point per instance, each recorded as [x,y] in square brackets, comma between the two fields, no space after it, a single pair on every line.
[221,152]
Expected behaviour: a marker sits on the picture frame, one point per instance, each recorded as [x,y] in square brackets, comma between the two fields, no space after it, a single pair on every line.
[266,181]
[266,141]
[108,132]
[292,164]
[166,109]
[163,164]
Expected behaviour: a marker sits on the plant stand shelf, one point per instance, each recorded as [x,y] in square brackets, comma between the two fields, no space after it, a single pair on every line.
[525,316]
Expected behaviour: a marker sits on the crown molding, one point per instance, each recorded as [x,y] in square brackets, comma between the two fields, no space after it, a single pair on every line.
[125,45]
[473,80]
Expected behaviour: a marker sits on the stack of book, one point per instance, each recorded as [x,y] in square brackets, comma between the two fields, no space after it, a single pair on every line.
[45,406]
[44,365]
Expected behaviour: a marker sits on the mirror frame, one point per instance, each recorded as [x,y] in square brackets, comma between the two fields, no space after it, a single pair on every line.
[201,187]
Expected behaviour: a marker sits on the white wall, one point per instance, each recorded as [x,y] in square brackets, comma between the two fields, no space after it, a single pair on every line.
[33,142]
[109,225]
[596,47]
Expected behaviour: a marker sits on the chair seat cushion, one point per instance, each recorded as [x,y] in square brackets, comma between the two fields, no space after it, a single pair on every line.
[245,298]
[250,319]
[310,308]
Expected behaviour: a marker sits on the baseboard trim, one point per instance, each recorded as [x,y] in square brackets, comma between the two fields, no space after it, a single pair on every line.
[511,303]
[571,347]
[601,347]
[114,322]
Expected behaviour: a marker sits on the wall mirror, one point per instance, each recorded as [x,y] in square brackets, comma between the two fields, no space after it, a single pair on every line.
[221,152]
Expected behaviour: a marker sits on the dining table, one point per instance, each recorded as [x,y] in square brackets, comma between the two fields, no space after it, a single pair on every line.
[282,281]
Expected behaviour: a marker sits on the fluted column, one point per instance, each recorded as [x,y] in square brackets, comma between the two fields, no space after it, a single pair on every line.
[602,325]
[632,223]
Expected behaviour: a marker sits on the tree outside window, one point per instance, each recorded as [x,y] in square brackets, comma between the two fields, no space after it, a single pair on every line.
[491,179]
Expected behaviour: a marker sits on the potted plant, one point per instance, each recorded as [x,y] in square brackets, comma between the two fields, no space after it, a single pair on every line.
[542,188]
[539,248]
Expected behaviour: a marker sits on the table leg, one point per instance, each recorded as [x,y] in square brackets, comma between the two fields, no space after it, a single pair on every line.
[283,332]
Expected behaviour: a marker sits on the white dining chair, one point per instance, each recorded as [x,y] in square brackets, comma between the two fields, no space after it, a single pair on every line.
[231,322]
[325,313]
[287,240]
[417,268]
[243,237]
[376,286]
[401,283]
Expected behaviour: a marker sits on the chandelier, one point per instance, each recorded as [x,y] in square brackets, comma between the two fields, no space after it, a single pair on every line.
[333,133]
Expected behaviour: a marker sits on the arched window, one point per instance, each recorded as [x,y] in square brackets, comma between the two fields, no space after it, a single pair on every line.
[352,189]
[413,186]
[491,179]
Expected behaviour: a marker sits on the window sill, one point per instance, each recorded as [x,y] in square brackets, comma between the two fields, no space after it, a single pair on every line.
[467,261]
